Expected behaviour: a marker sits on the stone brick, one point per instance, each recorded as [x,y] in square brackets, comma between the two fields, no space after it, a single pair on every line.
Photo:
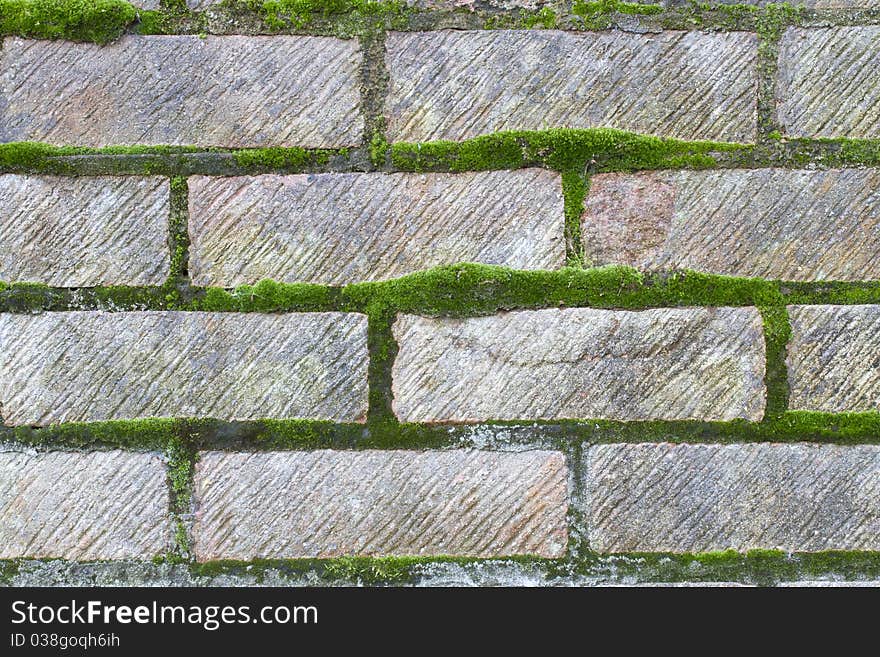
[90,366]
[834,358]
[827,82]
[460,84]
[233,91]
[770,223]
[83,506]
[346,227]
[81,231]
[699,498]
[673,363]
[374,503]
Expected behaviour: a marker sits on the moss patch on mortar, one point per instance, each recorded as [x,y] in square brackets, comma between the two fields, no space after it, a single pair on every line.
[762,567]
[599,149]
[145,434]
[600,15]
[269,296]
[473,289]
[99,21]
[777,331]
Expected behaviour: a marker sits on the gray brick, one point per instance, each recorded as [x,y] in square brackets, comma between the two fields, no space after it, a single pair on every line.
[457,85]
[770,223]
[83,506]
[343,228]
[374,503]
[699,498]
[834,358]
[233,91]
[670,364]
[90,366]
[827,82]
[82,231]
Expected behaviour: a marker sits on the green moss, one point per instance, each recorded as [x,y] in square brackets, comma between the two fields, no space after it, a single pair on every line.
[178,238]
[473,289]
[181,457]
[833,293]
[269,296]
[280,14]
[153,22]
[148,434]
[599,15]
[289,159]
[600,149]
[574,191]
[378,150]
[545,18]
[8,570]
[762,567]
[777,331]
[99,21]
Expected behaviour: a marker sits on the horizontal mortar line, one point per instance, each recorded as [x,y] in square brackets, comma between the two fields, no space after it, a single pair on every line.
[612,291]
[209,163]
[686,566]
[719,17]
[512,435]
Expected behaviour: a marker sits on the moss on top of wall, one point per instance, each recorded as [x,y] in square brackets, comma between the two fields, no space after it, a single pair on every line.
[100,21]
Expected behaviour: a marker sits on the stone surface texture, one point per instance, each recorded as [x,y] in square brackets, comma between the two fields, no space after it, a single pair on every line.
[461,84]
[343,228]
[83,506]
[233,91]
[834,358]
[89,366]
[672,363]
[80,232]
[699,498]
[800,225]
[826,85]
[373,503]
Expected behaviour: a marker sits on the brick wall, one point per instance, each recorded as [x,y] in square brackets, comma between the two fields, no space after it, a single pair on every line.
[440,292]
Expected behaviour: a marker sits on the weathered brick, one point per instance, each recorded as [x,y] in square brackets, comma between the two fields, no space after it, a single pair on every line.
[345,227]
[673,363]
[83,506]
[233,91]
[89,366]
[457,85]
[834,358]
[770,223]
[699,498]
[82,231]
[374,503]
[827,82]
